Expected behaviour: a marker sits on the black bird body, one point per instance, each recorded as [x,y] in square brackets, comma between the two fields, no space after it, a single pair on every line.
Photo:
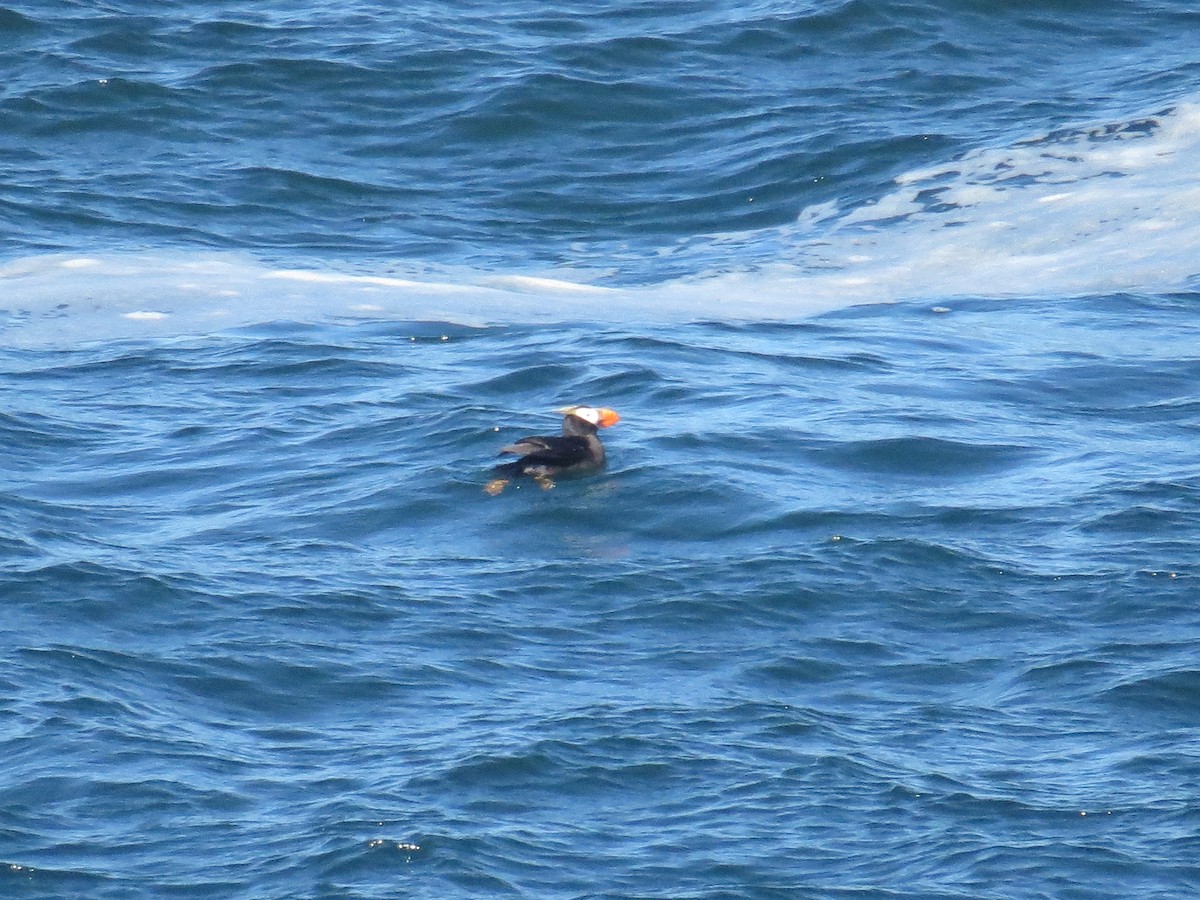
[548,456]
[577,451]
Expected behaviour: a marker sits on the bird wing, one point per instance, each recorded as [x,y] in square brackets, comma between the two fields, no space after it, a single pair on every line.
[553,451]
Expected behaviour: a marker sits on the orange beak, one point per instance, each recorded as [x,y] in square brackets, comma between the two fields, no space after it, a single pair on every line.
[608,417]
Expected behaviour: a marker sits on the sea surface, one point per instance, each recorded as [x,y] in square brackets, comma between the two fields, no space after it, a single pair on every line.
[891,588]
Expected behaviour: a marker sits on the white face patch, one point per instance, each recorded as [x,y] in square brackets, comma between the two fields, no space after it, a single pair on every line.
[587,413]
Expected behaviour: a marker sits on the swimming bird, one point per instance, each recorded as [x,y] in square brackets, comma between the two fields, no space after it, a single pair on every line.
[577,451]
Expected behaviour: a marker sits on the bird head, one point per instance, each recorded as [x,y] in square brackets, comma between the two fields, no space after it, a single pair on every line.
[597,415]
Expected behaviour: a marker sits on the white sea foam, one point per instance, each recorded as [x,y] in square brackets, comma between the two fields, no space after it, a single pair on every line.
[1082,210]
[1086,210]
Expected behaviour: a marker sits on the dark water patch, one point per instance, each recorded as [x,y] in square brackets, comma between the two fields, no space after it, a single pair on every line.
[1125,385]
[108,106]
[531,379]
[116,359]
[727,345]
[14,25]
[348,869]
[281,689]
[1077,676]
[310,190]
[1139,520]
[923,457]
[50,882]
[816,525]
[133,42]
[793,671]
[35,432]
[1170,696]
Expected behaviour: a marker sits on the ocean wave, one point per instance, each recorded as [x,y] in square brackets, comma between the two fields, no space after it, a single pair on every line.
[1092,210]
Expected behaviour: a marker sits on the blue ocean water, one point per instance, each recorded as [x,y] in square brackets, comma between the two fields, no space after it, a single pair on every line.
[889,588]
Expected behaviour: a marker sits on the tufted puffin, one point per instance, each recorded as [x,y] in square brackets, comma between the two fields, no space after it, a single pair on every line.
[576,451]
